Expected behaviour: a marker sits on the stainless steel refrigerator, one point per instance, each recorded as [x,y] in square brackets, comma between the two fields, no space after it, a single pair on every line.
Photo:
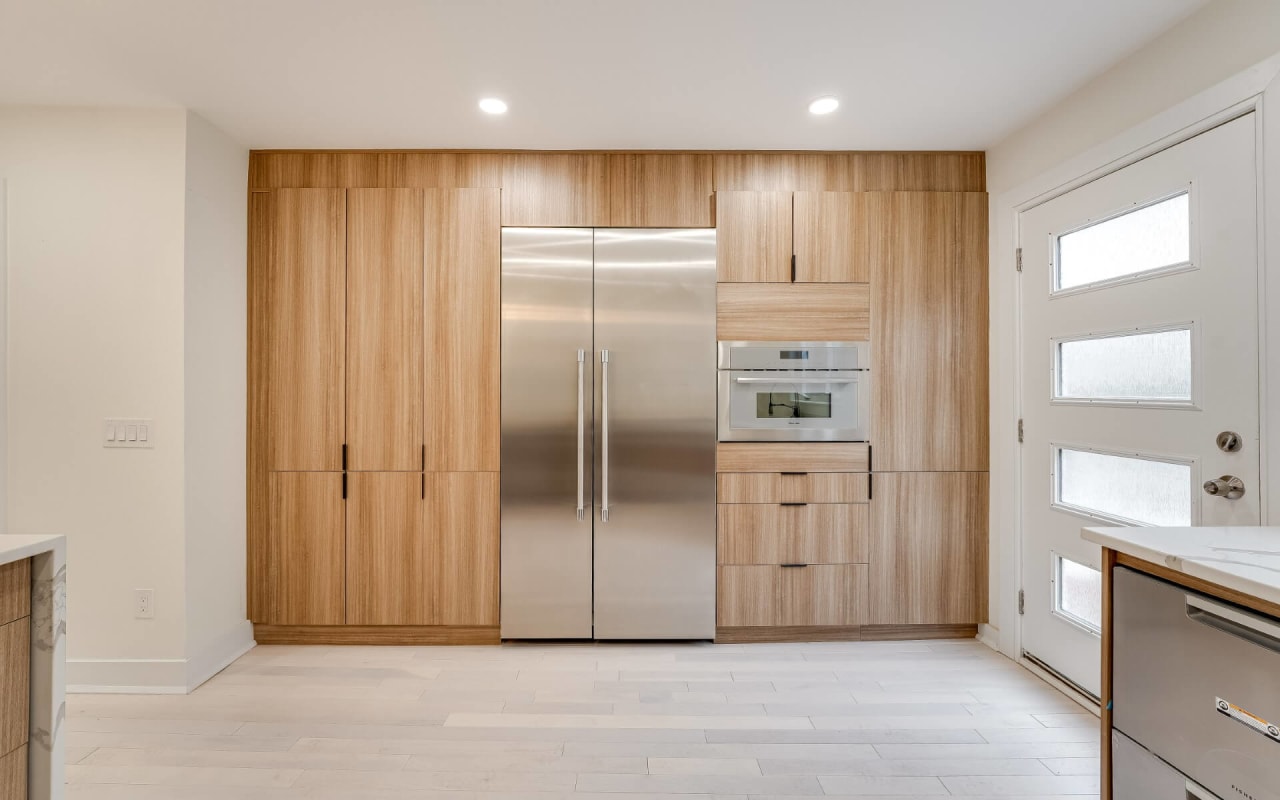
[608,433]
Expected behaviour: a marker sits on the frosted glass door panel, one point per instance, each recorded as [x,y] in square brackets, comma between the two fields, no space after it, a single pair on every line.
[1079,593]
[1133,367]
[1153,237]
[1125,488]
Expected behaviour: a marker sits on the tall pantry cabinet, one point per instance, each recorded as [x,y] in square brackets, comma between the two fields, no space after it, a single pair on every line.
[375,323]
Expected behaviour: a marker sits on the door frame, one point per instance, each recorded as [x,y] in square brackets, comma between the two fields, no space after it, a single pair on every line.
[1254,90]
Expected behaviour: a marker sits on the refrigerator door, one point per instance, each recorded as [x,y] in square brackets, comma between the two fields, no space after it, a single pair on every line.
[546,433]
[655,532]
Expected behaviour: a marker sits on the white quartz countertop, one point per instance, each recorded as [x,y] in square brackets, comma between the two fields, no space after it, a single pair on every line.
[1244,559]
[15,547]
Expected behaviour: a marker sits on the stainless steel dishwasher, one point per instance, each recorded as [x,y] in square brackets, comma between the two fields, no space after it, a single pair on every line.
[1196,695]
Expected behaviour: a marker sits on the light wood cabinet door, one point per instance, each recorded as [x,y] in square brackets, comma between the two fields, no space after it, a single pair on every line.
[793,312]
[929,548]
[930,334]
[15,590]
[753,237]
[792,457]
[758,533]
[659,190]
[751,534]
[747,596]
[307,335]
[461,521]
[558,190]
[792,487]
[384,329]
[13,775]
[822,594]
[463,281]
[837,234]
[390,563]
[15,689]
[306,549]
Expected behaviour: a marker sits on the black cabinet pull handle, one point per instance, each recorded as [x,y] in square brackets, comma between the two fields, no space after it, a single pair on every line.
[793,566]
[793,473]
[793,504]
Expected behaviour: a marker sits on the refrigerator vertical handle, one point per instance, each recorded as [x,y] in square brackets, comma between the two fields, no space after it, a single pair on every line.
[581,432]
[604,435]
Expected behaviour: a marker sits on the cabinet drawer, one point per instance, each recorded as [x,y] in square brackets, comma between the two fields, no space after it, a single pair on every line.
[820,594]
[15,659]
[822,533]
[793,457]
[792,487]
[15,590]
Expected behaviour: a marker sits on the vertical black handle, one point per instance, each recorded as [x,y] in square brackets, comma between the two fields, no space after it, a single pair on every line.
[344,486]
[793,267]
[344,457]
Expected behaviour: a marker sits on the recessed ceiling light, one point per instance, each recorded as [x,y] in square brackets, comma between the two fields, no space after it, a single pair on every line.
[824,105]
[492,105]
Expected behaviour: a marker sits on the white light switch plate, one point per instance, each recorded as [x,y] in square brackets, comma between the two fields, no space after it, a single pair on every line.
[128,433]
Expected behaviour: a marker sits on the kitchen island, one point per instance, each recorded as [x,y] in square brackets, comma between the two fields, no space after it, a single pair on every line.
[33,572]
[1190,651]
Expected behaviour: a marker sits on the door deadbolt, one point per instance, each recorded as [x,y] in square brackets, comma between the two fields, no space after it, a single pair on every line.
[1230,442]
[1228,486]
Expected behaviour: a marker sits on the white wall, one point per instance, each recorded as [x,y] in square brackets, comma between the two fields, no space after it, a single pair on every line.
[98,264]
[214,392]
[1176,80]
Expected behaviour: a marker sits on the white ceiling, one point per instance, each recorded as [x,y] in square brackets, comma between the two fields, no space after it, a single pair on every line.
[698,74]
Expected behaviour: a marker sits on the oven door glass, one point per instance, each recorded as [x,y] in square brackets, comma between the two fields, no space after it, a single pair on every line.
[771,406]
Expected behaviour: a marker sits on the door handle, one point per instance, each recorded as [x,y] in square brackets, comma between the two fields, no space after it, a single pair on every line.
[1197,792]
[604,435]
[1235,623]
[795,379]
[581,432]
[1228,486]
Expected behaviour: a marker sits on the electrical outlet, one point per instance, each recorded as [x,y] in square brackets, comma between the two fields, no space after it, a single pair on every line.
[144,603]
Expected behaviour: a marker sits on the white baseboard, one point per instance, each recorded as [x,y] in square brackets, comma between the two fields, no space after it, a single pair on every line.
[990,636]
[158,675]
[219,654]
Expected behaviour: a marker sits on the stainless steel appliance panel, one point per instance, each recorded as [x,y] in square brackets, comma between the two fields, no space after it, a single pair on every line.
[1138,775]
[794,355]
[655,535]
[1195,683]
[546,439]
[783,406]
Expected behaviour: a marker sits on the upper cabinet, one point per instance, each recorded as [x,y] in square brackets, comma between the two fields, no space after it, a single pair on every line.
[384,329]
[463,280]
[306,347]
[555,190]
[753,237]
[836,235]
[929,333]
[660,190]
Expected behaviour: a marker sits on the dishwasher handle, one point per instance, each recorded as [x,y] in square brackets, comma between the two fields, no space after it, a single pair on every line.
[1197,792]
[1240,624]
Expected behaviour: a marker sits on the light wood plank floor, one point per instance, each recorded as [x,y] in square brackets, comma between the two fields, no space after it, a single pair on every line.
[887,719]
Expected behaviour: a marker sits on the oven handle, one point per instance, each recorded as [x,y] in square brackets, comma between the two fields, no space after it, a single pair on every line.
[795,380]
[1234,623]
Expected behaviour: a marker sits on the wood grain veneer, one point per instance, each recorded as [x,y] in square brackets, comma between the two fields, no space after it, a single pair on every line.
[851,172]
[257,417]
[440,170]
[837,235]
[15,687]
[313,170]
[792,457]
[1107,692]
[390,564]
[307,348]
[13,775]
[929,334]
[463,301]
[306,550]
[928,548]
[787,633]
[660,191]
[15,590]
[753,237]
[554,190]
[747,596]
[906,633]
[385,241]
[462,516]
[815,533]
[793,312]
[793,487]
[377,634]
[772,596]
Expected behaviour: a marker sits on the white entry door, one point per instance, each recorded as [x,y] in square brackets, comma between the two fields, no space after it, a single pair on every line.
[1139,343]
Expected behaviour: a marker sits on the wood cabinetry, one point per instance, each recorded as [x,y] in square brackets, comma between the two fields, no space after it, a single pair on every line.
[15,677]
[384,329]
[306,549]
[792,487]
[818,533]
[804,598]
[13,775]
[837,235]
[307,335]
[929,548]
[929,333]
[464,322]
[779,457]
[561,190]
[389,560]
[652,190]
[462,521]
[793,312]
[753,237]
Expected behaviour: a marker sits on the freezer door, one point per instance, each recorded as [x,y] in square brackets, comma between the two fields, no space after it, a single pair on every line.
[1195,683]
[655,536]
[546,433]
